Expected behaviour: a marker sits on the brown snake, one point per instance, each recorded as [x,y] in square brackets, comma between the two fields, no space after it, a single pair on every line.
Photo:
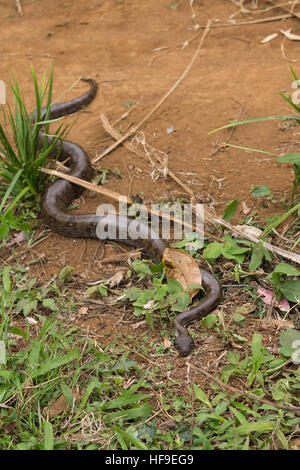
[59,195]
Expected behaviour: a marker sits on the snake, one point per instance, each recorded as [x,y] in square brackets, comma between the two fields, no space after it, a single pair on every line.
[56,216]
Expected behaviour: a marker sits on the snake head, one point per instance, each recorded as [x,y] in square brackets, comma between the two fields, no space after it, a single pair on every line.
[184,345]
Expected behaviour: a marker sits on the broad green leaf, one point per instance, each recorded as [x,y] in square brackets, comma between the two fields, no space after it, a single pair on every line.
[256,256]
[291,290]
[258,426]
[230,210]
[213,250]
[290,158]
[289,341]
[261,191]
[50,303]
[287,269]
[200,395]
[66,274]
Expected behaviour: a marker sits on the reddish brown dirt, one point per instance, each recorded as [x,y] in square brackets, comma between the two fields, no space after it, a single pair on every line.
[114,42]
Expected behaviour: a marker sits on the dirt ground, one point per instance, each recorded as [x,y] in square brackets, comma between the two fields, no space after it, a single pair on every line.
[117,43]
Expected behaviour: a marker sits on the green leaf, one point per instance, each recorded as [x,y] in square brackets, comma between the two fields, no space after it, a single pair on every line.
[174,287]
[200,395]
[289,341]
[123,400]
[48,436]
[291,290]
[6,279]
[290,158]
[50,303]
[129,437]
[256,256]
[102,290]
[282,439]
[239,319]
[258,426]
[213,251]
[239,416]
[256,356]
[230,210]
[26,305]
[202,438]
[287,269]
[261,191]
[209,320]
[66,274]
[4,230]
[59,361]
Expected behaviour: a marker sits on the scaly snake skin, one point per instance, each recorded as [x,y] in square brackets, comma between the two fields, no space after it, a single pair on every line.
[60,194]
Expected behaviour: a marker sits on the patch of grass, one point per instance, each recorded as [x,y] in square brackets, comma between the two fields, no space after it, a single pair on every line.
[61,389]
[21,154]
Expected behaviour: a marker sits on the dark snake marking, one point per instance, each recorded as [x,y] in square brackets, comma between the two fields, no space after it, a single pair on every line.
[60,194]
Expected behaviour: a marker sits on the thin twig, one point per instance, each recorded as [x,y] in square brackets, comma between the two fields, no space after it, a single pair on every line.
[108,127]
[290,10]
[247,394]
[19,8]
[164,98]
[215,220]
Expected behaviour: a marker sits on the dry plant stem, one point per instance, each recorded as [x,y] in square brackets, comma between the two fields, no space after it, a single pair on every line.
[121,257]
[290,10]
[142,122]
[112,194]
[108,127]
[19,7]
[216,220]
[245,23]
[246,394]
[274,249]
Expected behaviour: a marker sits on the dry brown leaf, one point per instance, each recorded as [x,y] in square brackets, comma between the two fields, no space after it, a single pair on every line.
[246,209]
[167,343]
[60,404]
[183,268]
[116,279]
[278,323]
[246,308]
[83,310]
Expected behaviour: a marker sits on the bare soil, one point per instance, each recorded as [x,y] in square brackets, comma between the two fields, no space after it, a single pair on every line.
[117,43]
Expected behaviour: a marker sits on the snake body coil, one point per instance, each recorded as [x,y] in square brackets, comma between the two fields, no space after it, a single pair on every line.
[59,195]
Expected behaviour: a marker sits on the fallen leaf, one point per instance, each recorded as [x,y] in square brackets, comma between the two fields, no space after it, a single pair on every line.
[183,268]
[57,407]
[17,239]
[83,310]
[267,296]
[167,343]
[60,404]
[116,279]
[246,308]
[246,209]
[248,230]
